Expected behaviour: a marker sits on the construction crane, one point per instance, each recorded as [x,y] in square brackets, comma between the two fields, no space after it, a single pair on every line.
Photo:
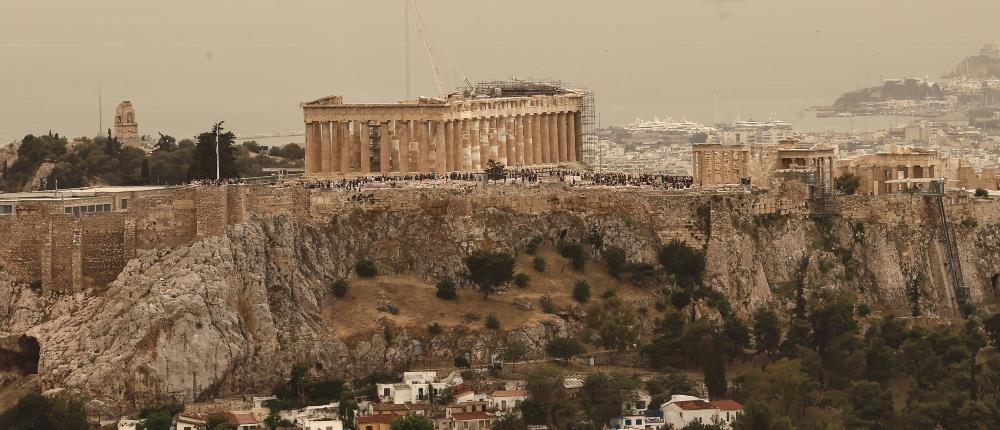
[428,48]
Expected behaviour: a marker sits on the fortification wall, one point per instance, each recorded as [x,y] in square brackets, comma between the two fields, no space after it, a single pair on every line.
[65,253]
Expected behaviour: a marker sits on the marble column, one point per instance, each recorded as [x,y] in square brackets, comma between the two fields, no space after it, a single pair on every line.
[440,147]
[543,120]
[334,148]
[574,154]
[311,149]
[578,136]
[563,137]
[501,140]
[519,140]
[511,140]
[449,143]
[385,146]
[466,143]
[475,147]
[554,138]
[344,144]
[537,144]
[325,148]
[529,154]
[394,151]
[494,153]
[456,144]
[366,167]
[405,144]
[484,142]
[423,147]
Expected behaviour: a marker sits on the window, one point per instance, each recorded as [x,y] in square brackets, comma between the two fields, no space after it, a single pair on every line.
[638,422]
[368,427]
[124,204]
[6,209]
[385,393]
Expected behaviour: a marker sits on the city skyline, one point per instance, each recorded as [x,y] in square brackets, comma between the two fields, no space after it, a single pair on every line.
[250,63]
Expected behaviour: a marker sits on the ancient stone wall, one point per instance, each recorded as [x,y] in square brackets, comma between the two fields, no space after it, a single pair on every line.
[65,253]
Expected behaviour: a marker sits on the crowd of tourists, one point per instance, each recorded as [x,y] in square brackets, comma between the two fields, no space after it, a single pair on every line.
[525,176]
[216,182]
[639,180]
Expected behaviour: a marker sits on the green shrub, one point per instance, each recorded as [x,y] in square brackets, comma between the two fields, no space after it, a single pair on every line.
[365,269]
[538,264]
[564,348]
[36,285]
[492,322]
[521,279]
[339,288]
[532,247]
[489,271]
[446,289]
[470,317]
[847,183]
[980,192]
[574,252]
[609,293]
[617,261]
[581,291]
[434,328]
[548,306]
[462,362]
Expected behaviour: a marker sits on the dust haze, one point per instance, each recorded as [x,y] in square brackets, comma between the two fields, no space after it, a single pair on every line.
[188,63]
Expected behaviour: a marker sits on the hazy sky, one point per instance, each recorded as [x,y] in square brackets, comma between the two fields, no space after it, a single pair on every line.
[187,63]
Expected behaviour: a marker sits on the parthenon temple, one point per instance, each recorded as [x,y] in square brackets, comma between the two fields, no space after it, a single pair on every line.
[459,133]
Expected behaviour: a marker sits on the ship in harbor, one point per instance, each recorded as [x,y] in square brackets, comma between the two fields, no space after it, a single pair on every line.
[668,125]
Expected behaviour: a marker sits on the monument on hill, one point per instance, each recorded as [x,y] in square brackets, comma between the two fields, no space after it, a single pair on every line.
[126,128]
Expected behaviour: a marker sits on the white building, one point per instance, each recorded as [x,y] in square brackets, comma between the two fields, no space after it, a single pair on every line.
[507,400]
[683,410]
[187,422]
[634,415]
[320,424]
[636,422]
[417,387]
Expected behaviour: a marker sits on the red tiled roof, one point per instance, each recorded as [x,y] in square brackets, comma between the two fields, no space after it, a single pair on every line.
[376,419]
[465,416]
[727,405]
[240,418]
[510,393]
[693,405]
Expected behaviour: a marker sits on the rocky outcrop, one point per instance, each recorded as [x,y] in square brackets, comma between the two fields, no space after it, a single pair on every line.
[230,313]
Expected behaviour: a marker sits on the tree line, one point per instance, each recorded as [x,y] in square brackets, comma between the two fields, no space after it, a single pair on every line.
[104,160]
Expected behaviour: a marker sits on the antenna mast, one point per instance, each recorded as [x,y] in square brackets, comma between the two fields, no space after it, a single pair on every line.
[100,110]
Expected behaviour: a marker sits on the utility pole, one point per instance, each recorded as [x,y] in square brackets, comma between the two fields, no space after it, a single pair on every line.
[100,110]
[218,171]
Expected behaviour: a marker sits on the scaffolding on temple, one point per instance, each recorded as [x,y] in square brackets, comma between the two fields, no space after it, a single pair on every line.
[531,87]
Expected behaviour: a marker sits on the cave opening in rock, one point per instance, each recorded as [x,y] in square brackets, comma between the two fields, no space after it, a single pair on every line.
[995,282]
[19,354]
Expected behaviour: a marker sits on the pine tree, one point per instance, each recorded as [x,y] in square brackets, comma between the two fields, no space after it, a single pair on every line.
[144,171]
[203,164]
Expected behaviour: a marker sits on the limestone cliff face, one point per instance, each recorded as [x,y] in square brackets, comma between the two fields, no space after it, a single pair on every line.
[230,313]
